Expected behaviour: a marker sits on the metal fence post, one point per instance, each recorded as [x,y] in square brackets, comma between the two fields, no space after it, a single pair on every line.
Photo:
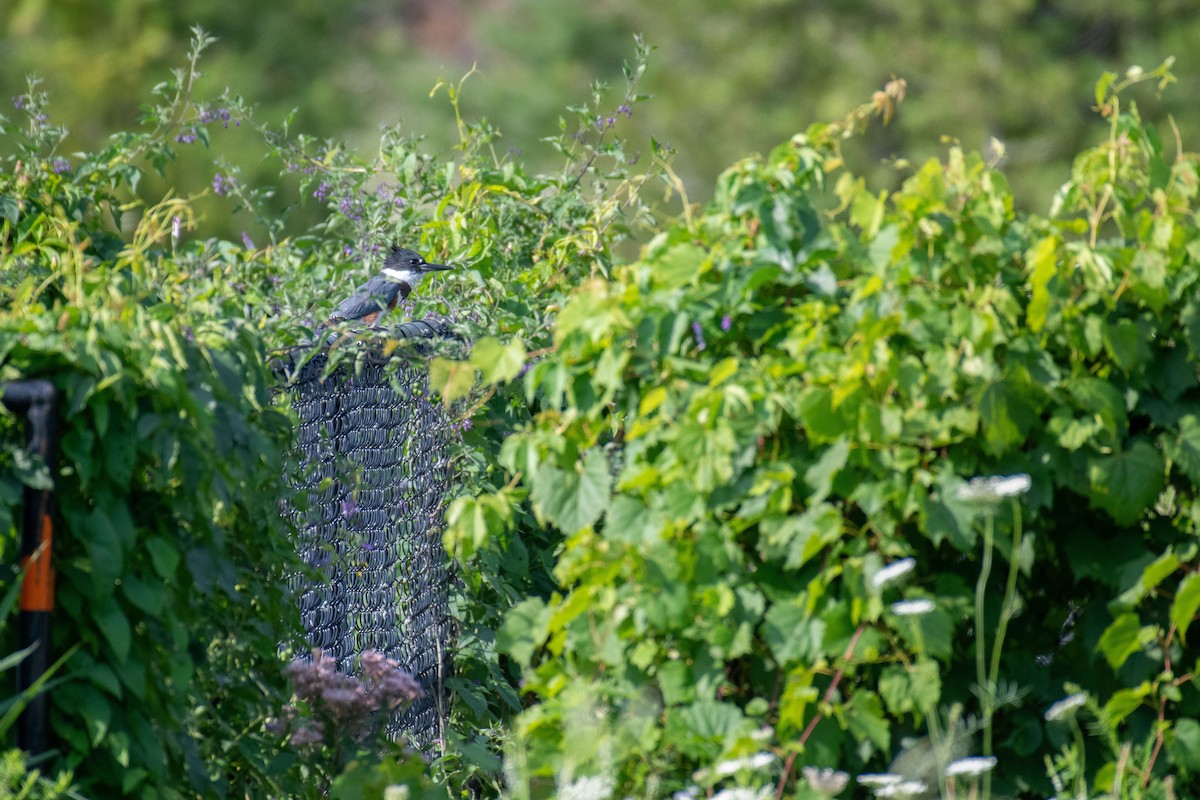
[36,400]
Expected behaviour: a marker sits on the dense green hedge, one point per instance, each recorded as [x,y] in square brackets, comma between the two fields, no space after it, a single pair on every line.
[171,554]
[793,389]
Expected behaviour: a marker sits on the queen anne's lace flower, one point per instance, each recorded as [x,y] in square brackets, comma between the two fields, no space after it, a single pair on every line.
[971,767]
[912,608]
[1064,708]
[892,572]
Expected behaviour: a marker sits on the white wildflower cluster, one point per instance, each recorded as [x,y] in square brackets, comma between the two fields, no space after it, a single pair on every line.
[971,767]
[893,572]
[744,794]
[593,787]
[1065,708]
[995,488]
[912,608]
[826,781]
[746,763]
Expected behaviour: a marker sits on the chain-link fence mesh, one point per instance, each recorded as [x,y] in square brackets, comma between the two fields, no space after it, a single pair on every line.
[369,477]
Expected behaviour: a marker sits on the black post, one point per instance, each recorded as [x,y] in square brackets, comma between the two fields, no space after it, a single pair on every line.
[36,400]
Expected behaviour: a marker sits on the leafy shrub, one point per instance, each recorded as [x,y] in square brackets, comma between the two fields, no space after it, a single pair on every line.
[747,435]
[171,556]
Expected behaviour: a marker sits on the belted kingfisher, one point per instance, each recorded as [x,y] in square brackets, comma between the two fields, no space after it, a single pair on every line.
[402,270]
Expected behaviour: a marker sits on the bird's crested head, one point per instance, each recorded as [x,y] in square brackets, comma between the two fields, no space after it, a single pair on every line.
[407,266]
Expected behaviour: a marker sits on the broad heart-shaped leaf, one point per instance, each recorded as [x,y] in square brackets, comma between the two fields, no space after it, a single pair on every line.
[1186,603]
[864,719]
[1004,416]
[524,629]
[911,689]
[451,379]
[496,362]
[574,498]
[1125,484]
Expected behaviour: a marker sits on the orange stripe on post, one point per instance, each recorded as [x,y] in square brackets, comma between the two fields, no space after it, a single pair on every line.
[37,590]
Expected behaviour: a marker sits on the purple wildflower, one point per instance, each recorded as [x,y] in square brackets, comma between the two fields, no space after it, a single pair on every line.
[185,137]
[322,191]
[349,507]
[726,322]
[222,185]
[308,734]
[625,109]
[246,241]
[352,209]
[19,101]
[467,424]
[60,165]
[698,335]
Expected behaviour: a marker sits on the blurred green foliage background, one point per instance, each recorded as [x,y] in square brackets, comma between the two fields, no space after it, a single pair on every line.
[728,79]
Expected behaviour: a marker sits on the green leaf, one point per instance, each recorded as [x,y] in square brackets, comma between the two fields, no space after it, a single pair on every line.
[1127,343]
[1121,639]
[793,634]
[1126,484]
[818,415]
[103,545]
[679,266]
[496,362]
[913,689]
[111,621]
[1183,745]
[820,475]
[453,380]
[799,537]
[865,720]
[1102,86]
[1185,604]
[525,628]
[631,521]
[574,498]
[1043,266]
[1004,416]
[1184,450]
[1123,703]
[1190,317]
[164,556]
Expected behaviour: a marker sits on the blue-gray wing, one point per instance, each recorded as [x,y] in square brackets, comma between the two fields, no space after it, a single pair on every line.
[370,298]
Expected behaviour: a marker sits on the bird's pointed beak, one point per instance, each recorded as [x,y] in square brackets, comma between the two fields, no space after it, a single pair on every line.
[432,267]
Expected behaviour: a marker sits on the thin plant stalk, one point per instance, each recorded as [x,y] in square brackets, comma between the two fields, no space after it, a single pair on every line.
[1006,613]
[935,728]
[987,689]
